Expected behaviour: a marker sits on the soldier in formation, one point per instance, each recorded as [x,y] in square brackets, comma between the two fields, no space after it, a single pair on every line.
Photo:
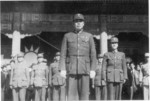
[19,80]
[58,82]
[39,78]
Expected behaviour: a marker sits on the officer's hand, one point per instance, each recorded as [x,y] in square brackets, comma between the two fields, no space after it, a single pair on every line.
[11,86]
[63,73]
[93,86]
[92,74]
[124,81]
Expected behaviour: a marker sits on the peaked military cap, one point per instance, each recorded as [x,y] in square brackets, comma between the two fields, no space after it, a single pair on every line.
[146,54]
[40,55]
[21,54]
[114,40]
[100,55]
[58,54]
[78,16]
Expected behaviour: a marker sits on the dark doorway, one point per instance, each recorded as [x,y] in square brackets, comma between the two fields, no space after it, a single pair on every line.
[133,44]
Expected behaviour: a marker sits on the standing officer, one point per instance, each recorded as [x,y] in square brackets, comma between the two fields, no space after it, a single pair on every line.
[19,80]
[39,78]
[114,70]
[58,82]
[79,48]
[144,77]
[100,85]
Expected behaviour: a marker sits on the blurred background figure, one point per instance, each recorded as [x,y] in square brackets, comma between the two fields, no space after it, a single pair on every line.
[100,85]
[3,82]
[144,78]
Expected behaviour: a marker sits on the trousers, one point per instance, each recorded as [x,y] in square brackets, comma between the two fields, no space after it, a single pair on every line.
[19,93]
[40,93]
[101,93]
[78,87]
[59,93]
[114,90]
[146,92]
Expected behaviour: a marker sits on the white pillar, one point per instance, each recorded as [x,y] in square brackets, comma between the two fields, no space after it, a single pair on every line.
[103,43]
[103,34]
[16,43]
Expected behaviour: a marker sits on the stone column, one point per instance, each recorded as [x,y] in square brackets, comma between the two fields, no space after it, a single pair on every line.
[103,35]
[103,43]
[16,43]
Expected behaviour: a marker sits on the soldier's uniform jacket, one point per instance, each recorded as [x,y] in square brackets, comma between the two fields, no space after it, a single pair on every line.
[20,72]
[79,49]
[114,67]
[98,79]
[144,75]
[40,77]
[54,75]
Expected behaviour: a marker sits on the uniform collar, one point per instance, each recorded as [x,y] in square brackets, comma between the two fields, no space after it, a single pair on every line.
[115,51]
[78,32]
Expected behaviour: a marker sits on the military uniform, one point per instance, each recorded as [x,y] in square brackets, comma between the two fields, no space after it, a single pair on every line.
[128,85]
[100,85]
[40,80]
[19,79]
[114,72]
[3,82]
[58,83]
[79,49]
[144,78]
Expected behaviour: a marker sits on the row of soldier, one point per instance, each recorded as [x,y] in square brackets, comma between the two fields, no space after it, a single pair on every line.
[40,78]
[76,66]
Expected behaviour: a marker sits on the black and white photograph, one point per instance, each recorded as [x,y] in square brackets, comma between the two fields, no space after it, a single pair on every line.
[74,50]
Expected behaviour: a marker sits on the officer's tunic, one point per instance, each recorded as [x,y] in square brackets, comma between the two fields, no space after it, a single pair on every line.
[100,85]
[20,72]
[114,72]
[40,80]
[79,49]
[144,78]
[58,83]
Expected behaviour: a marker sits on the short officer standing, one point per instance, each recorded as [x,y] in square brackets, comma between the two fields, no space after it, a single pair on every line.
[114,70]
[144,78]
[19,80]
[100,85]
[57,81]
[39,78]
[79,48]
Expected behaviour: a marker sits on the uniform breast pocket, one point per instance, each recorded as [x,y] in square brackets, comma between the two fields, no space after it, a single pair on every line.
[110,76]
[71,41]
[84,42]
[119,59]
